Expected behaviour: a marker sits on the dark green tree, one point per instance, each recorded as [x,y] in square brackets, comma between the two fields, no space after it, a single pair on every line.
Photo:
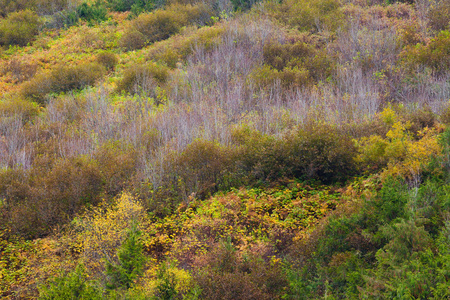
[130,264]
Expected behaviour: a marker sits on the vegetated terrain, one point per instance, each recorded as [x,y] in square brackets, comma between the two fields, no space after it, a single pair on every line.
[218,149]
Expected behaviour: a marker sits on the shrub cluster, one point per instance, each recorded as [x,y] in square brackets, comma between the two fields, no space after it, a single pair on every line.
[19,70]
[296,64]
[107,59]
[171,51]
[41,7]
[383,235]
[308,15]
[439,15]
[62,79]
[92,12]
[318,152]
[55,189]
[19,28]
[135,6]
[143,79]
[236,278]
[435,54]
[161,24]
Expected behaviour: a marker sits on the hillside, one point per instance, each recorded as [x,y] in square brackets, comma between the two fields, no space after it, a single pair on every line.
[224,149]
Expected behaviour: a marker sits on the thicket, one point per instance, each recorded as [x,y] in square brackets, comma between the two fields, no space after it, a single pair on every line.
[439,15]
[41,7]
[92,12]
[435,54]
[159,25]
[143,79]
[136,6]
[62,79]
[19,28]
[295,64]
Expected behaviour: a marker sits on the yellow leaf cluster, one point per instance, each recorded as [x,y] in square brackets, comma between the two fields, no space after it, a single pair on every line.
[102,230]
[399,152]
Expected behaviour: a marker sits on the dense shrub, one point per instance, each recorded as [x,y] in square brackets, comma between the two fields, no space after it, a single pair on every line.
[161,24]
[55,189]
[20,70]
[75,77]
[132,39]
[19,28]
[130,263]
[41,7]
[435,54]
[134,5]
[49,194]
[243,4]
[171,51]
[107,59]
[118,164]
[308,15]
[439,15]
[142,79]
[293,64]
[37,88]
[322,152]
[280,56]
[74,285]
[9,6]
[26,110]
[318,151]
[92,12]
[149,28]
[62,79]
[226,274]
[200,168]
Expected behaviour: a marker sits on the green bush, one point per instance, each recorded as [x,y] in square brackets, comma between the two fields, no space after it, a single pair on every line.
[118,164]
[130,263]
[322,152]
[62,79]
[435,54]
[141,79]
[108,60]
[243,5]
[9,6]
[92,12]
[67,78]
[280,56]
[224,273]
[18,107]
[132,40]
[154,27]
[161,24]
[298,63]
[315,152]
[37,88]
[200,168]
[439,15]
[309,15]
[134,5]
[19,28]
[74,285]
[166,290]
[48,194]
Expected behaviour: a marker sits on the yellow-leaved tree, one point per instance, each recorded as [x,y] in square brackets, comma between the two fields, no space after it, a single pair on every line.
[399,153]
